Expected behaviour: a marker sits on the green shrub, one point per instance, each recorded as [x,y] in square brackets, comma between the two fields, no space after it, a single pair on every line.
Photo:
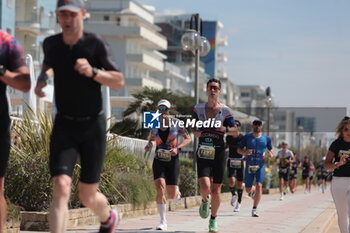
[13,211]
[187,181]
[28,182]
[137,188]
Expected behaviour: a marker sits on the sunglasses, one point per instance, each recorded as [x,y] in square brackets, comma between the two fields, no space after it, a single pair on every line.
[215,88]
[257,123]
[162,108]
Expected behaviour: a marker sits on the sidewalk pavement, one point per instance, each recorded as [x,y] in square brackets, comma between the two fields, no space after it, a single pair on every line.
[298,212]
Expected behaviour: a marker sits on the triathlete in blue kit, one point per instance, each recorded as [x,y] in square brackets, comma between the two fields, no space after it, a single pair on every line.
[253,146]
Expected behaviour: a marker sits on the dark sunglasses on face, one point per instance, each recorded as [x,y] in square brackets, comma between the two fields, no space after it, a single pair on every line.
[215,88]
[162,108]
[257,123]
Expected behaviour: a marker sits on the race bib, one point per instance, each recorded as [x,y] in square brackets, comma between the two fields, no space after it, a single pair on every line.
[343,152]
[284,170]
[252,169]
[292,172]
[235,163]
[206,152]
[164,155]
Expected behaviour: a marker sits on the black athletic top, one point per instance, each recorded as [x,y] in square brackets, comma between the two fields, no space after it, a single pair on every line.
[339,147]
[75,94]
[11,56]
[233,144]
[307,168]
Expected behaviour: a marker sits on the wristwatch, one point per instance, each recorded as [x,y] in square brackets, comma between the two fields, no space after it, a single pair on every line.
[94,72]
[227,129]
[2,70]
[178,148]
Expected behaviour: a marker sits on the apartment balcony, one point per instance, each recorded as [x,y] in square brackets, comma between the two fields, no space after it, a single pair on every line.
[148,38]
[221,57]
[145,61]
[138,83]
[222,41]
[29,20]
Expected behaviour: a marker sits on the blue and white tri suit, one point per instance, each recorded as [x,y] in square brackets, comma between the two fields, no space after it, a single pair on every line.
[258,145]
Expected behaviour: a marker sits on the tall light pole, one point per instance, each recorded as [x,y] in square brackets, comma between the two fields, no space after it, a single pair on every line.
[268,105]
[193,41]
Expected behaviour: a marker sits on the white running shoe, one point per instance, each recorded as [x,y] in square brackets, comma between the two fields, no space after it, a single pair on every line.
[233,200]
[162,227]
[254,213]
[238,208]
[178,197]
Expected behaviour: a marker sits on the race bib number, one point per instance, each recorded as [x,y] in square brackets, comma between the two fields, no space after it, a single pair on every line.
[164,155]
[235,163]
[206,152]
[284,170]
[252,169]
[343,152]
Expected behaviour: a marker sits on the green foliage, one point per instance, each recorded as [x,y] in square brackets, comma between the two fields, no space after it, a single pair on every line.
[187,181]
[138,189]
[13,211]
[27,177]
[131,127]
[28,182]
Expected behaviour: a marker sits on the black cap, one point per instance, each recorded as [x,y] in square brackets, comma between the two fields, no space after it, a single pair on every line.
[259,122]
[70,5]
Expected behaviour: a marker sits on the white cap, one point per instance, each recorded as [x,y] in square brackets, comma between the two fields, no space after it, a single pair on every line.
[164,102]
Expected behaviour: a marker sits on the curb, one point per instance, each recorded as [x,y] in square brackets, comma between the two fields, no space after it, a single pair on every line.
[38,221]
[323,222]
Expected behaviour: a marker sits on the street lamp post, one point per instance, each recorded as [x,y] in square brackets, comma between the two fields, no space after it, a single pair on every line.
[193,41]
[268,105]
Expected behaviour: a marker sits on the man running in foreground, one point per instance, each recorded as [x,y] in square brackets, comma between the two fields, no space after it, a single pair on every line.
[81,63]
[211,157]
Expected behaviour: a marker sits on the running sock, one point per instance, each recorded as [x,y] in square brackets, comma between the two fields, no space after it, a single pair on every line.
[240,192]
[212,217]
[233,190]
[281,193]
[254,207]
[162,212]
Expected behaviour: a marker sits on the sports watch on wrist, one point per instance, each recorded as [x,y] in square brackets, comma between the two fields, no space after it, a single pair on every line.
[178,148]
[2,70]
[94,72]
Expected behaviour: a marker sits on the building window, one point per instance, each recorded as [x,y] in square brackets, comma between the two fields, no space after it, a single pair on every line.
[9,3]
[106,18]
[118,21]
[245,94]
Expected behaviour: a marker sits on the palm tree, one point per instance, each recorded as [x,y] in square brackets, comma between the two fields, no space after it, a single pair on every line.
[146,100]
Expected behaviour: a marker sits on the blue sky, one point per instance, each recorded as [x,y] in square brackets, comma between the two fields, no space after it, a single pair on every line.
[300,48]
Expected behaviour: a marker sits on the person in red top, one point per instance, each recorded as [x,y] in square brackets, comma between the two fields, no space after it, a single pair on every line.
[13,73]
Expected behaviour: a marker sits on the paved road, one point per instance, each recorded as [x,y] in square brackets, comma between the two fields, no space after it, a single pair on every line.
[291,215]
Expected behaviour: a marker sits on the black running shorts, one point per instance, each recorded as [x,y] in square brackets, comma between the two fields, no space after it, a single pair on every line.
[215,168]
[5,142]
[168,170]
[234,172]
[283,175]
[86,138]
